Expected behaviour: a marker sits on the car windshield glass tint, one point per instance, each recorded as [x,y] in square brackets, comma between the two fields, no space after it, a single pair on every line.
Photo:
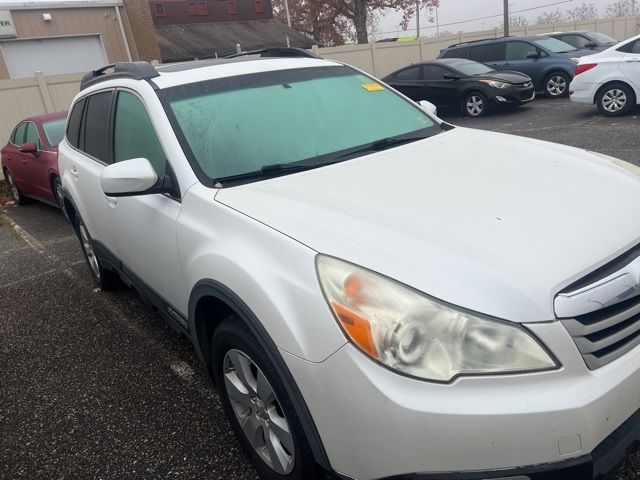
[54,130]
[602,38]
[471,68]
[236,125]
[554,45]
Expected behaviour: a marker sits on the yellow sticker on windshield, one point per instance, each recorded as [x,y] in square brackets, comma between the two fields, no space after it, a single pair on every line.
[372,87]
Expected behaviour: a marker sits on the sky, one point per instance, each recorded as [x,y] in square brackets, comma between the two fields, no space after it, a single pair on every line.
[458,10]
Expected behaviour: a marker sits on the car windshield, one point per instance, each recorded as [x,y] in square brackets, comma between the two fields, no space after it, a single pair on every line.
[469,67]
[602,38]
[554,45]
[237,125]
[54,130]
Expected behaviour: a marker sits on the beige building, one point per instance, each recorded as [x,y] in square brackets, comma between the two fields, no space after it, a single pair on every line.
[70,36]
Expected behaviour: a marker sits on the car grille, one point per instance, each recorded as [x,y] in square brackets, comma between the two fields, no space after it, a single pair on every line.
[607,334]
[611,329]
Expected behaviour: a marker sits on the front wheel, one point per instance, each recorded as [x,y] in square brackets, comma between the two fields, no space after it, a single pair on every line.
[258,406]
[615,100]
[556,85]
[475,104]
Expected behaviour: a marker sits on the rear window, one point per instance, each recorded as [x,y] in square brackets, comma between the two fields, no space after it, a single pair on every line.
[492,52]
[73,127]
[460,52]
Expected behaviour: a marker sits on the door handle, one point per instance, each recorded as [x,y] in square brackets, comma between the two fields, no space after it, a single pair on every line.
[74,171]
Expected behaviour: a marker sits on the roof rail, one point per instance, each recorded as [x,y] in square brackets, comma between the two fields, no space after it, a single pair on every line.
[277,52]
[133,70]
[475,41]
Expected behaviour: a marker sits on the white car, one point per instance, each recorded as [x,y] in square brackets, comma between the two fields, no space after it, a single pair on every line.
[610,79]
[376,293]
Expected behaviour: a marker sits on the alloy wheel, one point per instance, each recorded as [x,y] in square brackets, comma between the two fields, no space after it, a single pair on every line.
[614,100]
[475,105]
[556,85]
[14,189]
[258,411]
[88,250]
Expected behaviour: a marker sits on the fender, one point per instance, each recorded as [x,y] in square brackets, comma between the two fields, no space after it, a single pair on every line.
[212,288]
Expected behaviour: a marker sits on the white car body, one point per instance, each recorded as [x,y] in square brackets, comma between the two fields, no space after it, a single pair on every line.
[613,66]
[484,221]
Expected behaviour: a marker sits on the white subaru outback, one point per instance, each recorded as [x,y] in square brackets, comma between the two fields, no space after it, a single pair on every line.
[377,294]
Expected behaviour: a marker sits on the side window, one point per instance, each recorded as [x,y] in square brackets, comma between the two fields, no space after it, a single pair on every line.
[96,125]
[32,135]
[18,134]
[73,127]
[409,74]
[492,52]
[636,47]
[134,135]
[456,53]
[519,50]
[631,47]
[577,41]
[434,72]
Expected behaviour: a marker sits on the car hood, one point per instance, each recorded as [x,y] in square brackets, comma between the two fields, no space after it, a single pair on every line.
[505,76]
[490,222]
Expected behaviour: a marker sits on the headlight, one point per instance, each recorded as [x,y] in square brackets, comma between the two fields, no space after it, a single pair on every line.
[621,163]
[496,84]
[420,336]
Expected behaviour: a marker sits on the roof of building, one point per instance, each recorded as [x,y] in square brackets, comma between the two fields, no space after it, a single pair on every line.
[46,4]
[204,40]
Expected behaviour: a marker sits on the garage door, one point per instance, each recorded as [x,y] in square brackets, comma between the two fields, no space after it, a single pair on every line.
[53,56]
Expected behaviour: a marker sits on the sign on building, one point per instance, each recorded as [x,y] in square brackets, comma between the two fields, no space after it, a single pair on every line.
[7,29]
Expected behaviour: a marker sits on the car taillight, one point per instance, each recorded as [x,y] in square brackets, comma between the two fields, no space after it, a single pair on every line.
[584,67]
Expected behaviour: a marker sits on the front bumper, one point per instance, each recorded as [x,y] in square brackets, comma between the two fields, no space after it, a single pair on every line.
[375,423]
[514,96]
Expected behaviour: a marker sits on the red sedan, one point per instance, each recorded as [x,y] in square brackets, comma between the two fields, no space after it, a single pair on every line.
[29,160]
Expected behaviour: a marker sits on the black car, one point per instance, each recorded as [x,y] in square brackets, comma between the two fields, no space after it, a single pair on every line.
[585,39]
[455,83]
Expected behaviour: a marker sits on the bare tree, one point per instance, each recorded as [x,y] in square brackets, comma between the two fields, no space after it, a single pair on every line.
[318,20]
[518,21]
[552,17]
[583,13]
[623,8]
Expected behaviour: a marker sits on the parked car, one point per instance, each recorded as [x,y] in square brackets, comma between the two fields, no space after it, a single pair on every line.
[610,79]
[548,61]
[585,39]
[29,160]
[377,294]
[459,84]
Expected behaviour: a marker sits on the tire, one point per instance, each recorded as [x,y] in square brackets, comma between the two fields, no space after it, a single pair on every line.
[239,364]
[105,279]
[556,84]
[15,191]
[475,104]
[615,100]
[57,192]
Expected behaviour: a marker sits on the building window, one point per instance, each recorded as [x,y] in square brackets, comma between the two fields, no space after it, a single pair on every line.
[232,8]
[259,6]
[202,8]
[159,9]
[192,9]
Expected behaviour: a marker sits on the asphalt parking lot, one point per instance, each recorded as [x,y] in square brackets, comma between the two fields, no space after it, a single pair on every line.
[95,386]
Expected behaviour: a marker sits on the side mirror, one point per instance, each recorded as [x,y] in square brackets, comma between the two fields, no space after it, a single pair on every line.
[451,76]
[591,45]
[533,54]
[429,107]
[29,147]
[129,178]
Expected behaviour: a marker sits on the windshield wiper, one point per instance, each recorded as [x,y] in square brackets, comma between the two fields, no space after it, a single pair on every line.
[272,169]
[383,144]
